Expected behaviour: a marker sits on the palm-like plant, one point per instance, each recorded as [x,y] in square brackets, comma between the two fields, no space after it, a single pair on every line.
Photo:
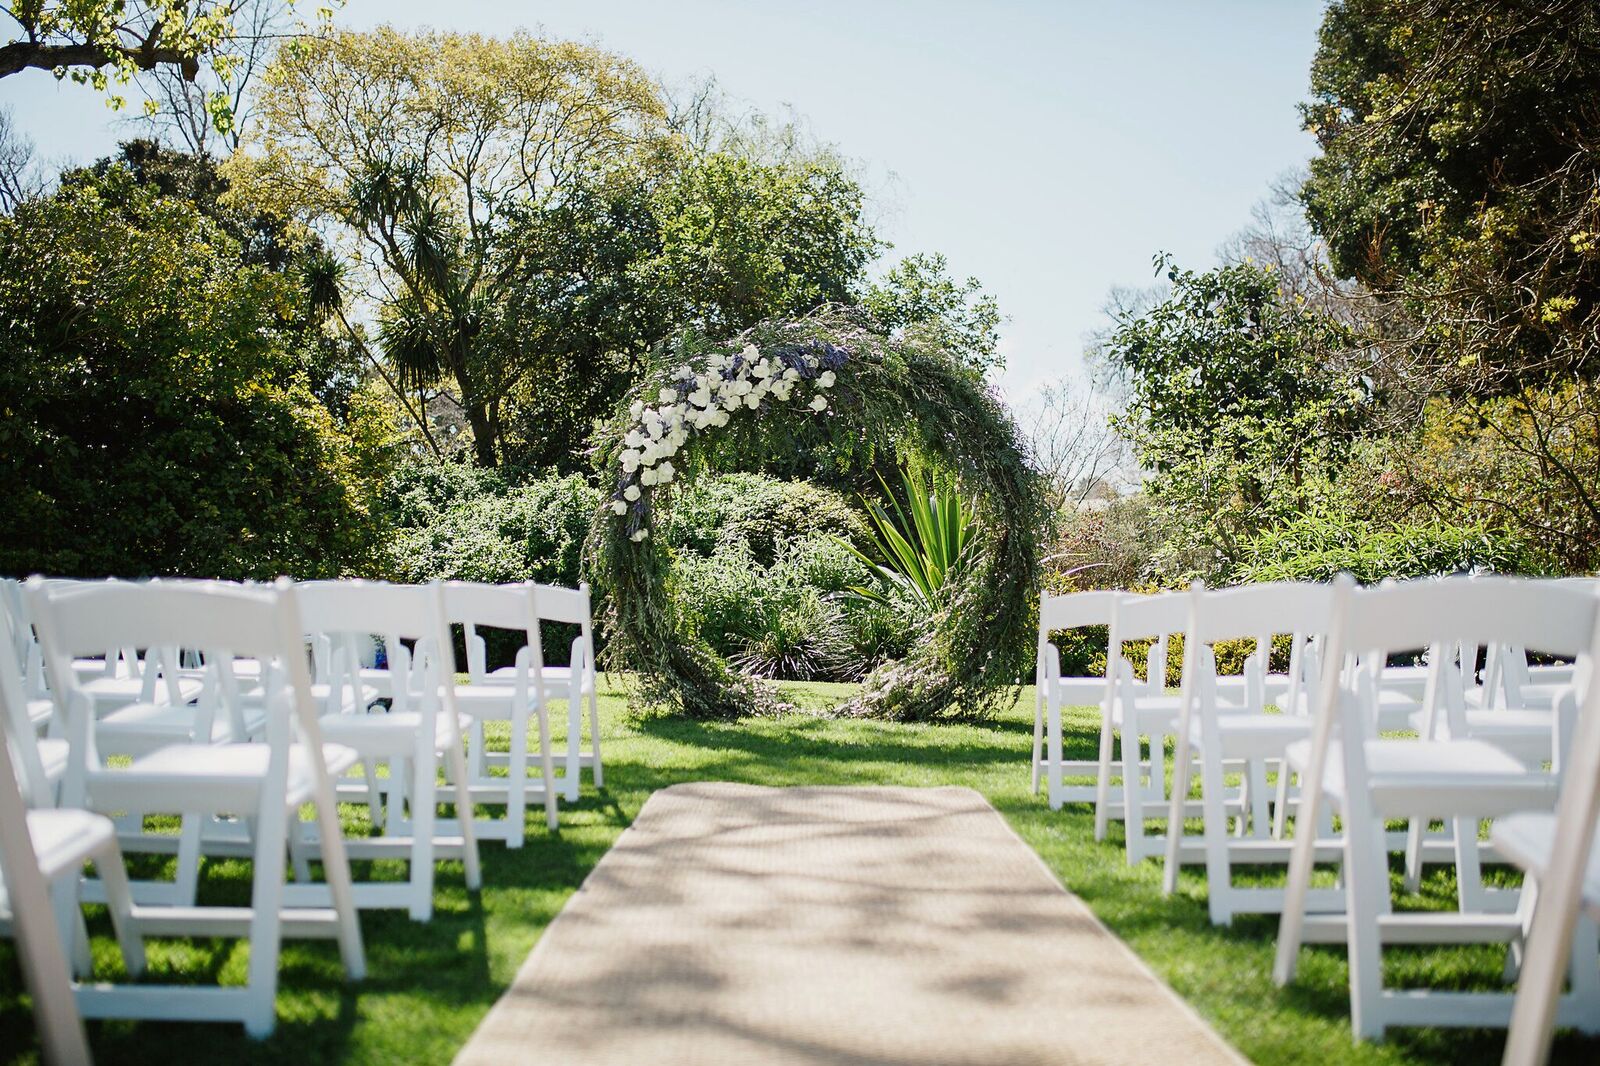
[917,549]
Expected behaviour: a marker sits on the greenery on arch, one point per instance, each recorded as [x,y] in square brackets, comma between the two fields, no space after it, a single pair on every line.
[904,397]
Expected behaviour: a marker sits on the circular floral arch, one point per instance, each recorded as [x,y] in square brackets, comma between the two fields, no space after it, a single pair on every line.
[778,383]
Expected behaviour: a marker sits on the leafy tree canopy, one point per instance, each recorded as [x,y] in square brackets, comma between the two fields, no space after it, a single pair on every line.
[918,293]
[1235,402]
[158,412]
[1460,157]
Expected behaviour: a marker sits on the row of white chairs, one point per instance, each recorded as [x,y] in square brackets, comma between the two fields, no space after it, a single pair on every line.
[233,707]
[1326,738]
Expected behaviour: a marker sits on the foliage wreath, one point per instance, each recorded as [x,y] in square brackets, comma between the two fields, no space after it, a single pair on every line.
[835,377]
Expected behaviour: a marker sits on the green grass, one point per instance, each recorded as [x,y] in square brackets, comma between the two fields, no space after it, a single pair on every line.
[428,985]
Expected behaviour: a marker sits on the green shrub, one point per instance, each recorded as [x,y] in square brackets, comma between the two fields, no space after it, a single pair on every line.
[760,511]
[1318,545]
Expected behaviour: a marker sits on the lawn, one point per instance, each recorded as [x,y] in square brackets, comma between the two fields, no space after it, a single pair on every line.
[429,984]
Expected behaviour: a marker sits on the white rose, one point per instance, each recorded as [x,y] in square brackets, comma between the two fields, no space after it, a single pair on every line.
[750,351]
[647,476]
[791,374]
[752,401]
[819,403]
[667,395]
[701,397]
[721,419]
[640,534]
[630,494]
[634,439]
[731,401]
[685,372]
[637,408]
[826,379]
[781,392]
[630,461]
[664,473]
[618,507]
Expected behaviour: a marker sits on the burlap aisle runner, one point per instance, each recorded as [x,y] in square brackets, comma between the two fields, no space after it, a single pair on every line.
[733,924]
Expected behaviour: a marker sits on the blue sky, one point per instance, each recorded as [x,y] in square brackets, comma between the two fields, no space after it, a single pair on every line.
[1050,149]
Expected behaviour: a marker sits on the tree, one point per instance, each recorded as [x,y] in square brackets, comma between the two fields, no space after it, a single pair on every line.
[918,294]
[1459,158]
[211,110]
[1237,398]
[417,148]
[162,415]
[19,178]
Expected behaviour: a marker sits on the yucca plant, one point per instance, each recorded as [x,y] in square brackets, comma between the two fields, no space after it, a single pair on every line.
[917,549]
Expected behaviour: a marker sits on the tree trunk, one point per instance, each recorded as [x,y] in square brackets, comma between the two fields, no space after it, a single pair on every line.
[482,433]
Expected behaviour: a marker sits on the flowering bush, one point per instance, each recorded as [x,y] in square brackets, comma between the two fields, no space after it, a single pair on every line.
[694,401]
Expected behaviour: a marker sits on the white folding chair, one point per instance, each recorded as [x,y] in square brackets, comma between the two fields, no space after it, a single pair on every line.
[577,683]
[1562,863]
[262,785]
[1369,779]
[1250,736]
[520,701]
[1135,710]
[419,733]
[1052,692]
[31,912]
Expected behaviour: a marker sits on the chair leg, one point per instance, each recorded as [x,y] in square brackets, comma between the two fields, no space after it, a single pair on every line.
[266,918]
[455,760]
[69,925]
[1280,809]
[1133,790]
[1181,769]
[188,864]
[594,740]
[1416,833]
[1260,807]
[1470,897]
[119,901]
[336,872]
[423,815]
[517,779]
[574,748]
[552,818]
[1367,890]
[1219,875]
[374,794]
[1038,734]
[1102,784]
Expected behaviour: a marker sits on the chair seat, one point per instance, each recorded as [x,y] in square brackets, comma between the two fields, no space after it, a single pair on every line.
[109,693]
[354,703]
[386,735]
[489,700]
[201,778]
[1528,839]
[39,711]
[558,680]
[1528,696]
[54,754]
[1508,723]
[1465,778]
[142,727]
[1253,736]
[1394,708]
[65,839]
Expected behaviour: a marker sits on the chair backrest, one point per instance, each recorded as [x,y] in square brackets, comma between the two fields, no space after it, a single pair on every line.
[221,621]
[1547,616]
[349,610]
[17,725]
[558,603]
[1296,609]
[517,608]
[1073,610]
